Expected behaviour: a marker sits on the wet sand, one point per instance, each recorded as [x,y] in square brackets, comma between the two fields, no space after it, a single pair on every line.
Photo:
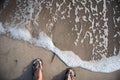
[97,24]
[16,58]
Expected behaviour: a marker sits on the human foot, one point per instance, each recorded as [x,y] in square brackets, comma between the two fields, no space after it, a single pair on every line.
[70,74]
[37,69]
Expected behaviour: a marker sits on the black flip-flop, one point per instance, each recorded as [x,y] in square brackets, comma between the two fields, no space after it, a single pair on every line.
[36,64]
[70,73]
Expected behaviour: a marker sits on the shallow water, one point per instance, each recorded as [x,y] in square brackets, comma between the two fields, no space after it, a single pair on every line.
[91,29]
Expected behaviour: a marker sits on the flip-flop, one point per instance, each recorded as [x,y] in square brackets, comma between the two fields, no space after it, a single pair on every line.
[37,64]
[70,74]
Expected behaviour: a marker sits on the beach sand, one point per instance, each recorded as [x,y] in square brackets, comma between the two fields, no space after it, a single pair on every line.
[16,58]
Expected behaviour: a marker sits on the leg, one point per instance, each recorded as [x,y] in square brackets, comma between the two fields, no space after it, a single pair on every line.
[37,69]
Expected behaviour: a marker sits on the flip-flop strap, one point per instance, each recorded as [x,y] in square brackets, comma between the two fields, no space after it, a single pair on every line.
[37,64]
[69,75]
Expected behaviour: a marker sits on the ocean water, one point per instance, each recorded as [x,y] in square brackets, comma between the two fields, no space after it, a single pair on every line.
[89,27]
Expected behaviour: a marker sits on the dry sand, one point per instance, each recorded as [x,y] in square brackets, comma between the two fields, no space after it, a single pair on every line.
[16,57]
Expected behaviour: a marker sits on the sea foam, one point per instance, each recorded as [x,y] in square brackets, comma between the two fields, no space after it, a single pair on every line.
[18,33]
[68,57]
[31,12]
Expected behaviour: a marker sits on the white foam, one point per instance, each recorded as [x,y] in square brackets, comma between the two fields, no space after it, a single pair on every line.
[115,50]
[105,19]
[68,57]
[118,19]
[93,8]
[106,64]
[44,41]
[98,1]
[78,34]
[114,22]
[84,18]
[77,19]
[72,60]
[73,2]
[69,10]
[63,17]
[18,33]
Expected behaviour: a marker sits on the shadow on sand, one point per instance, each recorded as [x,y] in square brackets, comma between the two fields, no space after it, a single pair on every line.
[27,73]
[60,76]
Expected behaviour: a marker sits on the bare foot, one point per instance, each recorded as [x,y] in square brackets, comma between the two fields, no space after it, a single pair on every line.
[37,69]
[70,74]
